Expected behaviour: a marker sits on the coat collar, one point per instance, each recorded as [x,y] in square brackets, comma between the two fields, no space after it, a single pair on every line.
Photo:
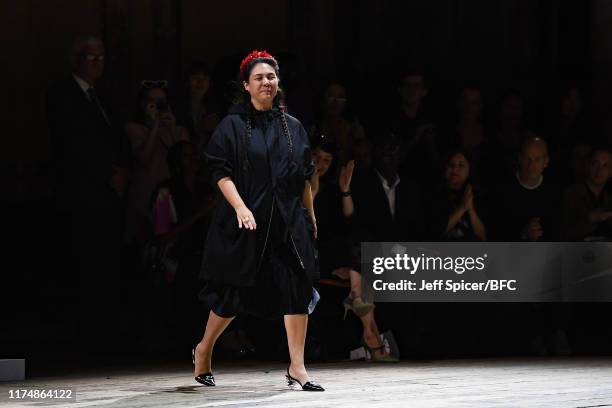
[245,109]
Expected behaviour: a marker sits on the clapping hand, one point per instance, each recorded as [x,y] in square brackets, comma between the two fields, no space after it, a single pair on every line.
[468,198]
[346,175]
[599,215]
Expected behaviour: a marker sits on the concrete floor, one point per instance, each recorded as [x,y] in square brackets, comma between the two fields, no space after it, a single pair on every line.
[509,382]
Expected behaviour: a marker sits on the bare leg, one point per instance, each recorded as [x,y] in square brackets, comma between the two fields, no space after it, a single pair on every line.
[214,327]
[371,335]
[296,325]
[355,278]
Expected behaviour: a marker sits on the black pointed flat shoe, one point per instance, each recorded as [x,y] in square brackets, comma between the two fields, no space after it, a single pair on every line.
[307,386]
[205,378]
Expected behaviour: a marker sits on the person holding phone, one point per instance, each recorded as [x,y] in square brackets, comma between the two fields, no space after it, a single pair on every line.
[151,134]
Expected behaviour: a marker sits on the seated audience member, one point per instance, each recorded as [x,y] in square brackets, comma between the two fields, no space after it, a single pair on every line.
[455,204]
[571,133]
[297,88]
[335,121]
[527,211]
[415,129]
[470,134]
[527,203]
[186,188]
[197,109]
[180,213]
[387,208]
[511,131]
[150,135]
[362,154]
[332,224]
[587,206]
[334,207]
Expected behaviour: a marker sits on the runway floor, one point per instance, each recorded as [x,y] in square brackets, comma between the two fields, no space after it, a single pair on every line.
[508,382]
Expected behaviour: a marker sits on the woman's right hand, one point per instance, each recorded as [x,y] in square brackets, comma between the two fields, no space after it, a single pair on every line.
[468,198]
[245,218]
[599,215]
[151,114]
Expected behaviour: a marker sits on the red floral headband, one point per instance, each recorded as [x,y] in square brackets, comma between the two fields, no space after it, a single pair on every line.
[254,55]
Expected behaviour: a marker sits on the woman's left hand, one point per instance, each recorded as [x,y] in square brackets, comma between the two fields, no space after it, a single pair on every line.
[168,120]
[346,175]
[468,198]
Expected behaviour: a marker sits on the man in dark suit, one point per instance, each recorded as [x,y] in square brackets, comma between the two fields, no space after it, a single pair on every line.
[91,178]
[387,208]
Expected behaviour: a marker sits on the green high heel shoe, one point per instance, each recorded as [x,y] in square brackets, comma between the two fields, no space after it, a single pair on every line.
[387,358]
[357,305]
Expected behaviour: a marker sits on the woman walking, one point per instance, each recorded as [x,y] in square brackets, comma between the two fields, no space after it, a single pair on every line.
[260,249]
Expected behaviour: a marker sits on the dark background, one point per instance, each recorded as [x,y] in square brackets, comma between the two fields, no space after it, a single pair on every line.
[526,44]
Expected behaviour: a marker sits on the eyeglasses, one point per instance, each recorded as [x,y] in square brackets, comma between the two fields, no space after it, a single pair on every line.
[153,83]
[92,57]
[335,99]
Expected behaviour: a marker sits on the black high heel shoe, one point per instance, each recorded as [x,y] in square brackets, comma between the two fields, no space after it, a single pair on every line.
[205,378]
[307,386]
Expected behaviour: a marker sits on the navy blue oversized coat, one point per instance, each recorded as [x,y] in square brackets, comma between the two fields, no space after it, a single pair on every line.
[232,255]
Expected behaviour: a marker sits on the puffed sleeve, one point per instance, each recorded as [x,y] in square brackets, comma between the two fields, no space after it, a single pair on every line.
[219,152]
[307,157]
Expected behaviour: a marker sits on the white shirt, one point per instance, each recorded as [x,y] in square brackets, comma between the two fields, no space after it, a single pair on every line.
[85,87]
[536,185]
[82,84]
[390,191]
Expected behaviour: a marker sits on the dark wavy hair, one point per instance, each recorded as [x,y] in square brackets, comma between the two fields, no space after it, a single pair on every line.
[448,155]
[200,67]
[325,144]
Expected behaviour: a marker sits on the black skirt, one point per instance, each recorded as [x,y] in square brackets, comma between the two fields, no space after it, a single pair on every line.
[281,287]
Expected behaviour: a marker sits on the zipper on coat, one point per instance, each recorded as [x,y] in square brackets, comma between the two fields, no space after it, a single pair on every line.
[296,251]
[267,233]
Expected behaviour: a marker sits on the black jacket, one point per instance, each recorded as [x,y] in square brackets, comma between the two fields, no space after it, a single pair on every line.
[372,218]
[232,255]
[85,147]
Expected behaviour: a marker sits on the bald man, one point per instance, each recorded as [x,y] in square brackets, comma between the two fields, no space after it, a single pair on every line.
[527,203]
